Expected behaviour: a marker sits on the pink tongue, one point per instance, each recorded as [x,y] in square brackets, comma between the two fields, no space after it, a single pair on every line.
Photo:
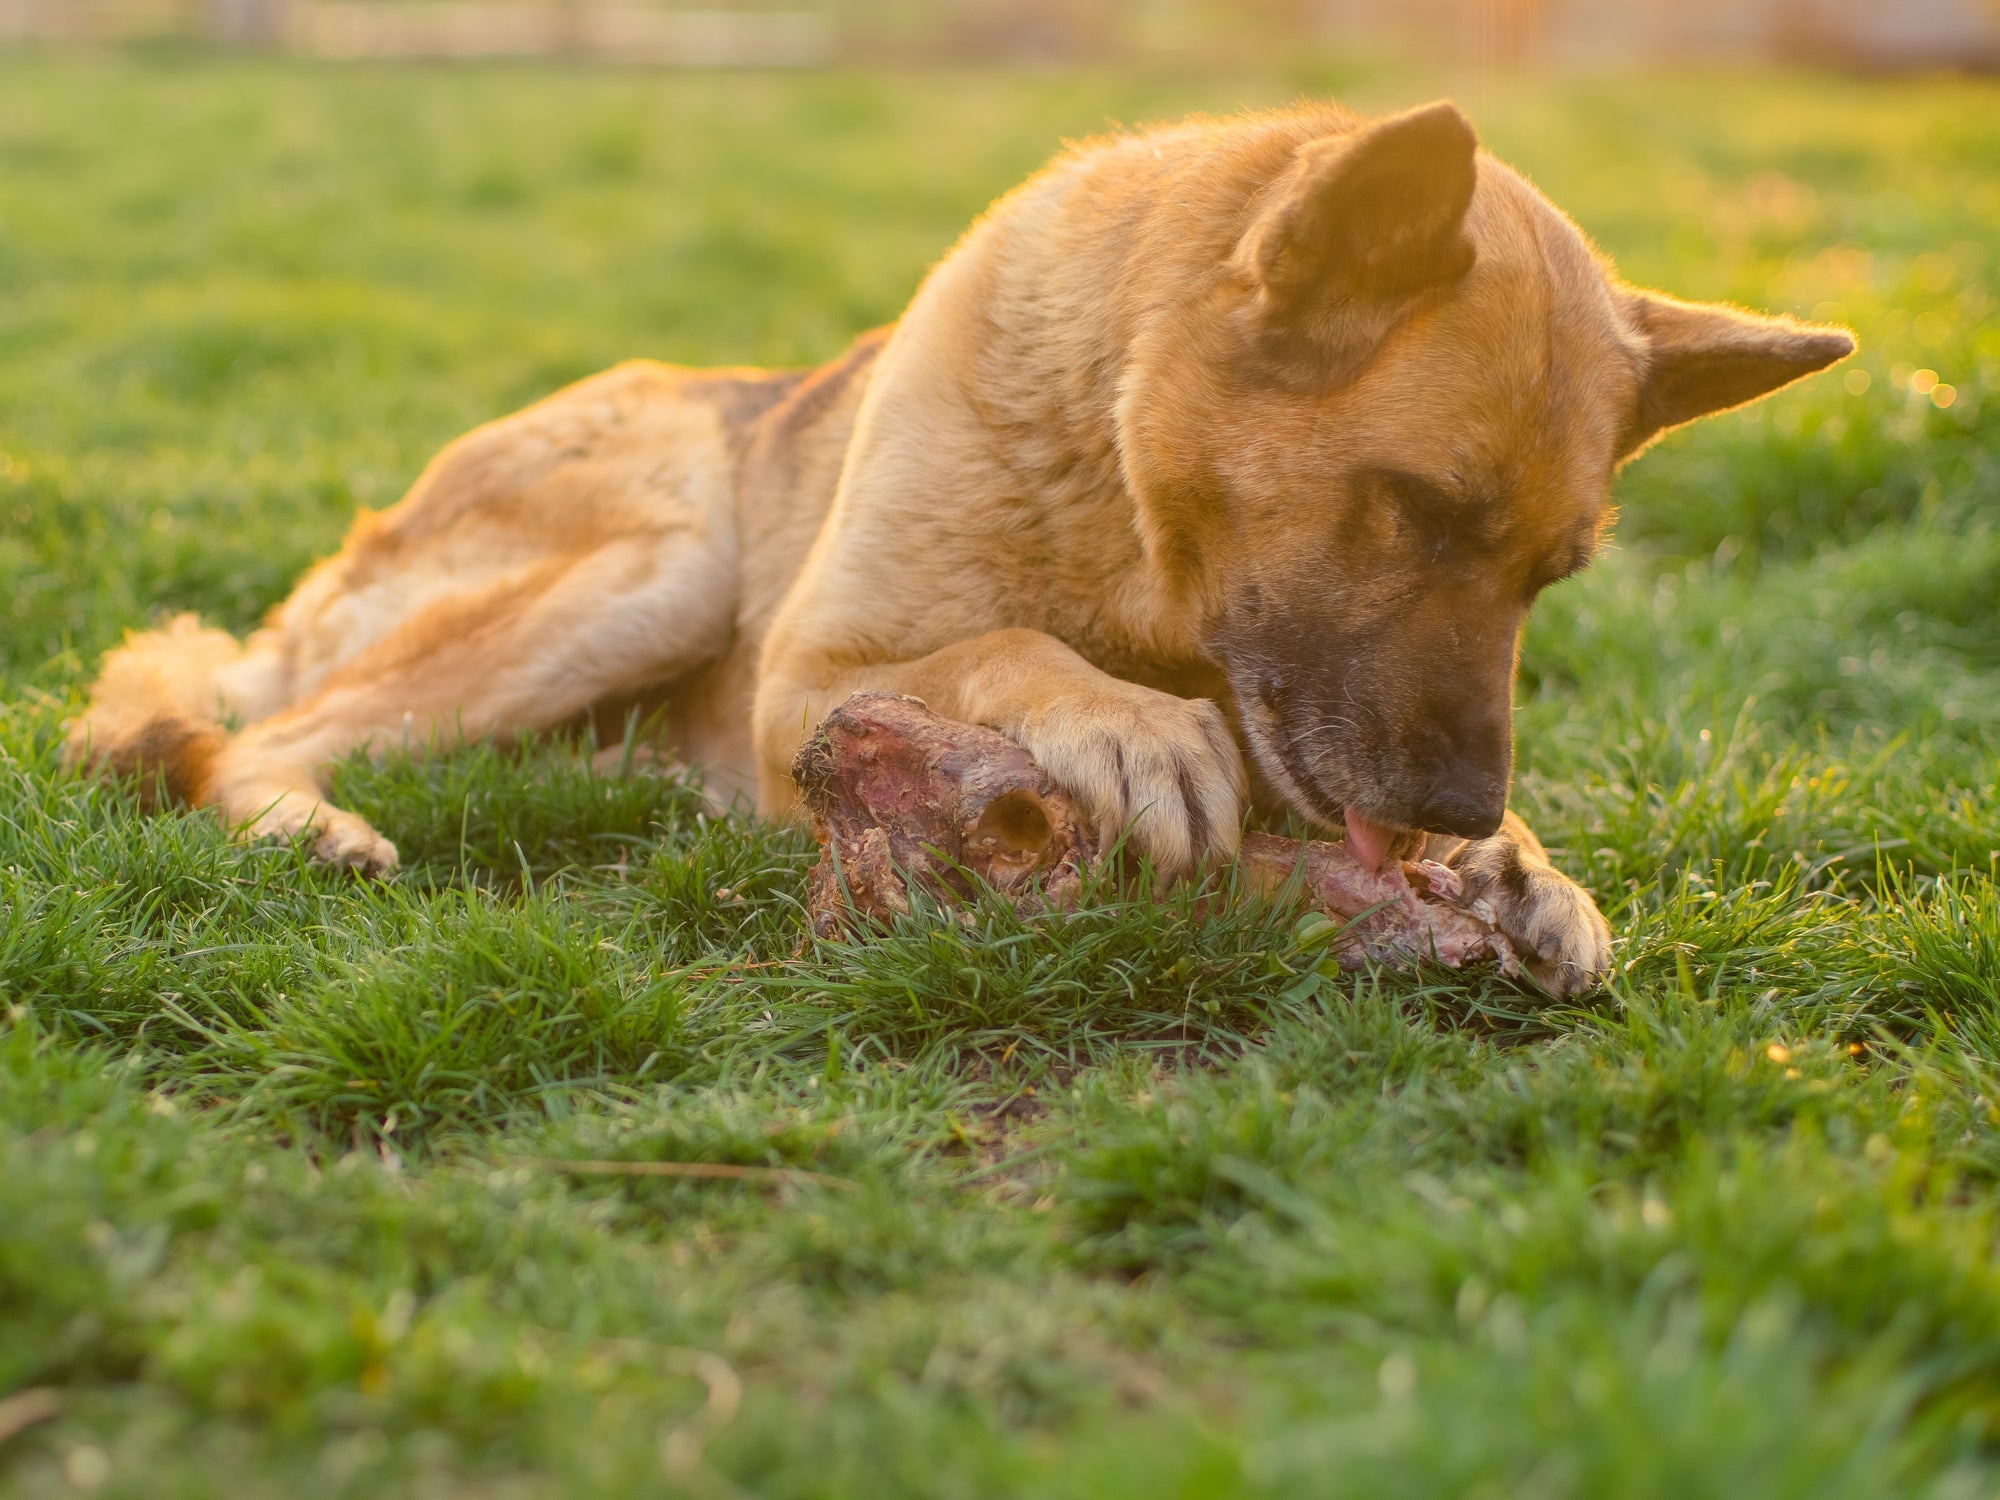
[1368,840]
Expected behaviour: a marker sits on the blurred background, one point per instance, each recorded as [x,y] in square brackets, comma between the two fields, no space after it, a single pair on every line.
[259,259]
[1868,34]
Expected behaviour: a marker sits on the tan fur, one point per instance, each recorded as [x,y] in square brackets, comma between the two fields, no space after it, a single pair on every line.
[1256,434]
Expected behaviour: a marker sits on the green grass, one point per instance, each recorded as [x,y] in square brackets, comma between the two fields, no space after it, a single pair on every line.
[1133,1204]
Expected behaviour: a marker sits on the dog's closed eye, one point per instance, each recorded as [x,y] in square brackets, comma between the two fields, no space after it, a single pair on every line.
[1448,525]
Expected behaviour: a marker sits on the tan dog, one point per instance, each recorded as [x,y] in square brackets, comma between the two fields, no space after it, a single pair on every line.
[1256,435]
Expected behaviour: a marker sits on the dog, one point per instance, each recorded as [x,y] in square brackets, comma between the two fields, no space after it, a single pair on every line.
[1218,465]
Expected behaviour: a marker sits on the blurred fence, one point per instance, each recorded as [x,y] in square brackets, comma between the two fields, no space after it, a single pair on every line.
[627,32]
[1873,33]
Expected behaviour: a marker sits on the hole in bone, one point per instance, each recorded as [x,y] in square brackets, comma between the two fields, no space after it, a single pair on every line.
[1013,832]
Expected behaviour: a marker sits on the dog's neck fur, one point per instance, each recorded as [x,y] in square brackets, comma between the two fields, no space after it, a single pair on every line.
[1062,364]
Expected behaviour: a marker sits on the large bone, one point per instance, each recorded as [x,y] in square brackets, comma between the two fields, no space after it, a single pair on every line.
[901,795]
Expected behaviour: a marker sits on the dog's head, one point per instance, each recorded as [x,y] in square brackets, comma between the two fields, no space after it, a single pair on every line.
[1385,419]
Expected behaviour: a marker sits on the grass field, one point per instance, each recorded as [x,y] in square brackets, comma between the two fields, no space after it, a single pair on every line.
[1131,1204]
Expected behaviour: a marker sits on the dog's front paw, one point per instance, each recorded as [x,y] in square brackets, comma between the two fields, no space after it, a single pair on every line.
[1163,767]
[1552,921]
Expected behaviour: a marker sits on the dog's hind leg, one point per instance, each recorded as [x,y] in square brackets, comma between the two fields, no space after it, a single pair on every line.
[579,551]
[519,653]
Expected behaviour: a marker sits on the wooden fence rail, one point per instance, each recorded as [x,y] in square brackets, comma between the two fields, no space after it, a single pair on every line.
[797,33]
[444,28]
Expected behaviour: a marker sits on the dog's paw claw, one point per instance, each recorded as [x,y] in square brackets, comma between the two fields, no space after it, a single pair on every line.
[1443,880]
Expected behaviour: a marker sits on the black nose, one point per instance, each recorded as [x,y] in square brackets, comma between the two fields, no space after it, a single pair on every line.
[1469,806]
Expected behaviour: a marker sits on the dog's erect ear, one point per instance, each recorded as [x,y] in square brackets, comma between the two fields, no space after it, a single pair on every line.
[1379,213]
[1704,357]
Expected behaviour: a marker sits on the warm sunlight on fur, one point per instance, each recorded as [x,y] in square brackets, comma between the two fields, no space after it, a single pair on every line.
[1217,465]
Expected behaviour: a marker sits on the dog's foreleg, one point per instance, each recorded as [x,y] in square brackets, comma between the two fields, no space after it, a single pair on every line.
[1164,768]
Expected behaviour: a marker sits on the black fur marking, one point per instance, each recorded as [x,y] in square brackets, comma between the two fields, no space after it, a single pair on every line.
[1198,829]
[1451,527]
